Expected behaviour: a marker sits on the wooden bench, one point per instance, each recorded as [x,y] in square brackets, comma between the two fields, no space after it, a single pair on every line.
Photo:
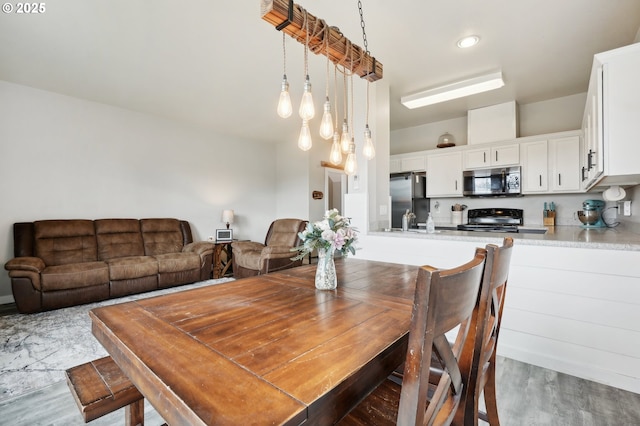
[100,387]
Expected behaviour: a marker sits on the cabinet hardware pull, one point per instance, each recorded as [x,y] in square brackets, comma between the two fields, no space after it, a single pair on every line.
[484,157]
[496,155]
[540,177]
[559,179]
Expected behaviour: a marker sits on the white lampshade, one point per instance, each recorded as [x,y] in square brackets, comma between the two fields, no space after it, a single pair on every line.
[227,216]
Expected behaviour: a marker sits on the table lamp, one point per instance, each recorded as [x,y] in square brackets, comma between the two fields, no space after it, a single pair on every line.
[227,217]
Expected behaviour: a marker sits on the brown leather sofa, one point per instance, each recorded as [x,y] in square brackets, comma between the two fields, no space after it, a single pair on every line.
[252,258]
[60,263]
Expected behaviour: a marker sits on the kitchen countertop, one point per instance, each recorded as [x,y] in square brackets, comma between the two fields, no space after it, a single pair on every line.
[623,237]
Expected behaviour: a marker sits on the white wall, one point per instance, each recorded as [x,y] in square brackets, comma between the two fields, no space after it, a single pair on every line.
[555,115]
[62,157]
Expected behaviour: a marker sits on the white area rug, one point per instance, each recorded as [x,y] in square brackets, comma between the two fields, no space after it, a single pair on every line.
[36,349]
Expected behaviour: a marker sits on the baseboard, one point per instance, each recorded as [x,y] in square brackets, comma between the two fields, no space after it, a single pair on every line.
[571,367]
[5,300]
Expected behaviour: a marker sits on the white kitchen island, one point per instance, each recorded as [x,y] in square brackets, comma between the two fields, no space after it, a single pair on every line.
[573,301]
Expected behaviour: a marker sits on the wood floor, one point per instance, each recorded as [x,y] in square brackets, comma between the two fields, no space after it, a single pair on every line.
[527,395]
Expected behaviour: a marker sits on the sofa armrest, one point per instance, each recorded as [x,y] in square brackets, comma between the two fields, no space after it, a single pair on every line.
[202,248]
[31,264]
[240,247]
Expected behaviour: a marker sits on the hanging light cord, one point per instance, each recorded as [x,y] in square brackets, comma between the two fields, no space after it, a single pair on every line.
[306,46]
[326,35]
[284,56]
[335,95]
[351,89]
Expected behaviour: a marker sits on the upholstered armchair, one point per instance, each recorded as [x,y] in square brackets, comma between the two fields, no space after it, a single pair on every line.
[252,258]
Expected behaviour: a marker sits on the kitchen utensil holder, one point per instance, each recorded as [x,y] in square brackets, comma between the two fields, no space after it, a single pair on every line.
[456,217]
[549,219]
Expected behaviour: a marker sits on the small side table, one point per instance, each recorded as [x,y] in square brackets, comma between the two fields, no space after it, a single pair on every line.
[221,269]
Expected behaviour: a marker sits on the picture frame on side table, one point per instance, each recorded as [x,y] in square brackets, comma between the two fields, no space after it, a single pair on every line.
[224,235]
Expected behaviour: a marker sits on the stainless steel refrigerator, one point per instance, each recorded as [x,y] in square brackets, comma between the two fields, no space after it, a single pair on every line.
[408,192]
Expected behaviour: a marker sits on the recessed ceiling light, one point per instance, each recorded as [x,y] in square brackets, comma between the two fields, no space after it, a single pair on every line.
[469,41]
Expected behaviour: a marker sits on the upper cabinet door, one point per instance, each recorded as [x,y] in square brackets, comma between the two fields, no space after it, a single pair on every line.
[564,161]
[534,167]
[497,156]
[444,175]
[508,155]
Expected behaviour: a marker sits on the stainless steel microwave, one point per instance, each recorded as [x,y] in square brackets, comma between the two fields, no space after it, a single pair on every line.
[503,181]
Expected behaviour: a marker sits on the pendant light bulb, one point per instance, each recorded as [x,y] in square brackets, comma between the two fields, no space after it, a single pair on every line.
[307,110]
[368,151]
[326,125]
[336,152]
[284,103]
[351,164]
[304,140]
[345,139]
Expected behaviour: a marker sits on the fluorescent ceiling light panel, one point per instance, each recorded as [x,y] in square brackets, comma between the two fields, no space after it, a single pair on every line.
[456,90]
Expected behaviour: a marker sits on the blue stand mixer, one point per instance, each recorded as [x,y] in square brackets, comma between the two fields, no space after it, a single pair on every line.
[591,214]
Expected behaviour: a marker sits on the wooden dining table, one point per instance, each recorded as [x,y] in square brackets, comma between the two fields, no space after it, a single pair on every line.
[264,350]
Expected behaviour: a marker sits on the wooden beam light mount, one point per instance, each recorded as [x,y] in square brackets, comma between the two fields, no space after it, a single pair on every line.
[289,17]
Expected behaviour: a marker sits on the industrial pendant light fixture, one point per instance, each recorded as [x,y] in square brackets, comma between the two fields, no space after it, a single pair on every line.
[284,103]
[351,163]
[345,138]
[368,150]
[335,156]
[290,18]
[307,110]
[326,125]
[304,140]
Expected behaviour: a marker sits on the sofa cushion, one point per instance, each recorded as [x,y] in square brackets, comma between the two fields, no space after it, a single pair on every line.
[76,275]
[126,268]
[63,242]
[176,262]
[118,238]
[161,236]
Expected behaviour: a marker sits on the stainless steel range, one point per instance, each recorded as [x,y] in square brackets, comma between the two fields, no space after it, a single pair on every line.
[493,220]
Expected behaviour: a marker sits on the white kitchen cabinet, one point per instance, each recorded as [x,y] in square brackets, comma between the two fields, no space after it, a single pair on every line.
[535,169]
[564,164]
[549,309]
[407,163]
[413,164]
[610,122]
[496,156]
[395,165]
[444,174]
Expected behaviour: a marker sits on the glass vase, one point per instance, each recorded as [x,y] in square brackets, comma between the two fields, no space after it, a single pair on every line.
[326,278]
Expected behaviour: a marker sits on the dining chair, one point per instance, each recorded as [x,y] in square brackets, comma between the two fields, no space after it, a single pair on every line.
[444,299]
[488,317]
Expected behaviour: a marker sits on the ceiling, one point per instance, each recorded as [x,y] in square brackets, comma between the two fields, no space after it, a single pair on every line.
[218,65]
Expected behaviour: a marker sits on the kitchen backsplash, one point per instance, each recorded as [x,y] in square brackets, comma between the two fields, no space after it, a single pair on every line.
[566,206]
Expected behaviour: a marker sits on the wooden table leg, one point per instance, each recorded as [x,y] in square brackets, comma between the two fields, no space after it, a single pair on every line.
[134,414]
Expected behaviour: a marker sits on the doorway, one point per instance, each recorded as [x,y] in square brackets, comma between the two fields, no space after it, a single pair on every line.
[335,187]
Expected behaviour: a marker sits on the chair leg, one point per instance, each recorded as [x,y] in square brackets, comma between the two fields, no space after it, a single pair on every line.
[134,414]
[490,395]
